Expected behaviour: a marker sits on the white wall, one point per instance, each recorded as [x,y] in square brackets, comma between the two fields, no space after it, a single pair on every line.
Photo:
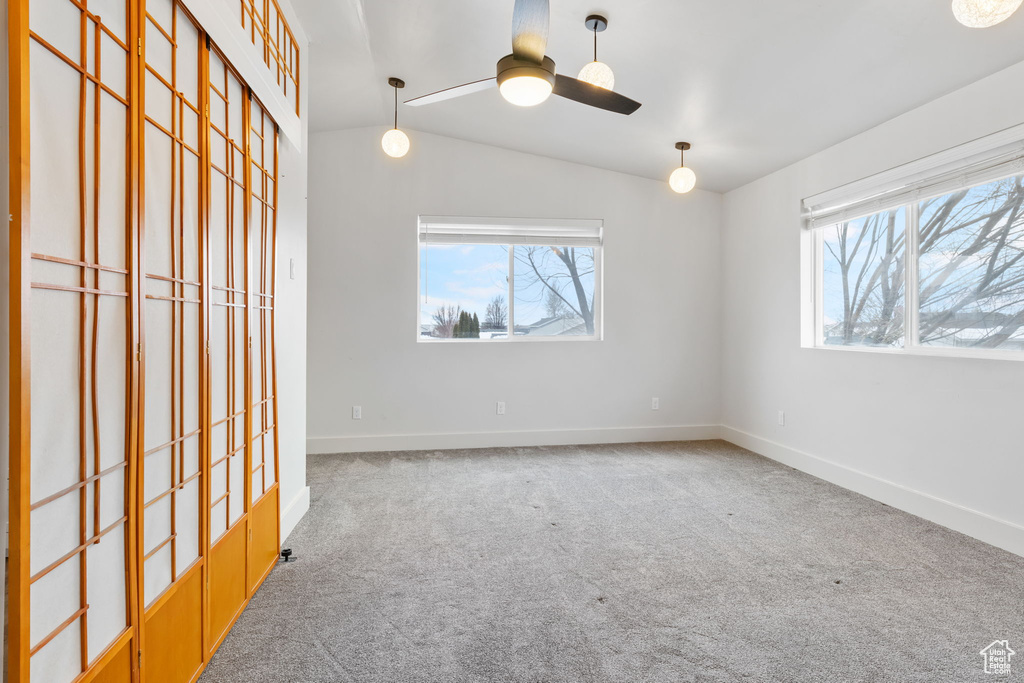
[291,307]
[940,437]
[291,330]
[660,317]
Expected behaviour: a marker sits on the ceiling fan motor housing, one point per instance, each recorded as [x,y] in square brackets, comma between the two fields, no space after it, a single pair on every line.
[510,67]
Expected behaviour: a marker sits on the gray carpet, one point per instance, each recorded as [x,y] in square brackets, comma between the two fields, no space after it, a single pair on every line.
[635,563]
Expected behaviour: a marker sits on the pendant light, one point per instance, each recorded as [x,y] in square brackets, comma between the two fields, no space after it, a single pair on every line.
[682,179]
[597,73]
[395,143]
[984,13]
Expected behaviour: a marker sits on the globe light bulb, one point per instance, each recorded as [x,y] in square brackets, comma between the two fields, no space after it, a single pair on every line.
[599,74]
[525,91]
[395,143]
[984,13]
[682,180]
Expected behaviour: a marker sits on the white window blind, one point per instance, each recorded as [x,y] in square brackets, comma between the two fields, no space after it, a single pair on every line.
[534,231]
[993,157]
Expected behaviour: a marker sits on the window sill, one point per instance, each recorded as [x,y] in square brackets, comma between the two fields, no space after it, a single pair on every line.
[514,340]
[928,352]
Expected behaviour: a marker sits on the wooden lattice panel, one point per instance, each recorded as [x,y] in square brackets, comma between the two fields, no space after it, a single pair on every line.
[79,317]
[263,258]
[173,334]
[144,489]
[270,33]
[229,281]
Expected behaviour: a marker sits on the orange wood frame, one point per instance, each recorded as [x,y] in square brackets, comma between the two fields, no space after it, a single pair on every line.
[280,51]
[125,658]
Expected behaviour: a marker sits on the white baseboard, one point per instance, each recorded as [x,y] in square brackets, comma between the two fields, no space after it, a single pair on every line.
[991,530]
[553,437]
[293,512]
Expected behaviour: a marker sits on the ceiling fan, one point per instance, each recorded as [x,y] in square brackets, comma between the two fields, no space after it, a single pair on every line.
[527,76]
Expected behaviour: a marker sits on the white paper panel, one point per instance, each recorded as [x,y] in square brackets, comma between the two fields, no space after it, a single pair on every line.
[55,391]
[159,51]
[189,193]
[159,380]
[218,365]
[112,502]
[158,202]
[54,144]
[113,13]
[188,60]
[54,597]
[218,523]
[106,591]
[57,522]
[158,101]
[58,22]
[187,524]
[114,65]
[58,662]
[190,456]
[218,479]
[236,100]
[89,126]
[157,474]
[113,182]
[271,470]
[190,390]
[111,377]
[238,218]
[237,507]
[162,11]
[218,157]
[157,575]
[158,524]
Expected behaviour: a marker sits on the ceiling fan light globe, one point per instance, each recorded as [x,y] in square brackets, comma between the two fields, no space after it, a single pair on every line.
[682,180]
[525,91]
[599,74]
[395,143]
[984,13]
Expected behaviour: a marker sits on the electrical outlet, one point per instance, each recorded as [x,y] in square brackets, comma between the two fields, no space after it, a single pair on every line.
[500,408]
[291,268]
[655,403]
[782,418]
[357,412]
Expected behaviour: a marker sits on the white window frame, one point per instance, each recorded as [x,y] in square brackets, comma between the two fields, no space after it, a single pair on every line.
[981,161]
[512,232]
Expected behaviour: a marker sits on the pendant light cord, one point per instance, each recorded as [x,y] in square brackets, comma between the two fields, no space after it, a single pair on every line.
[396,107]
[595,43]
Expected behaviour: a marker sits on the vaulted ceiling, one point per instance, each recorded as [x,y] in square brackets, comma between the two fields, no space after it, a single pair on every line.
[754,85]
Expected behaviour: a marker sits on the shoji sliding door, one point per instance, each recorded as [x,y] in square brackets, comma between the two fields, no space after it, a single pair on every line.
[144,477]
[73,359]
[263,489]
[173,344]
[229,336]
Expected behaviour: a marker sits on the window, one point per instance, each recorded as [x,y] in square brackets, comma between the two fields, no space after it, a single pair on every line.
[485,279]
[942,271]
[862,274]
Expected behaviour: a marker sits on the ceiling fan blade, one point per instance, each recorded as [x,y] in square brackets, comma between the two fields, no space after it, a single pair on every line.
[457,91]
[530,22]
[585,93]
